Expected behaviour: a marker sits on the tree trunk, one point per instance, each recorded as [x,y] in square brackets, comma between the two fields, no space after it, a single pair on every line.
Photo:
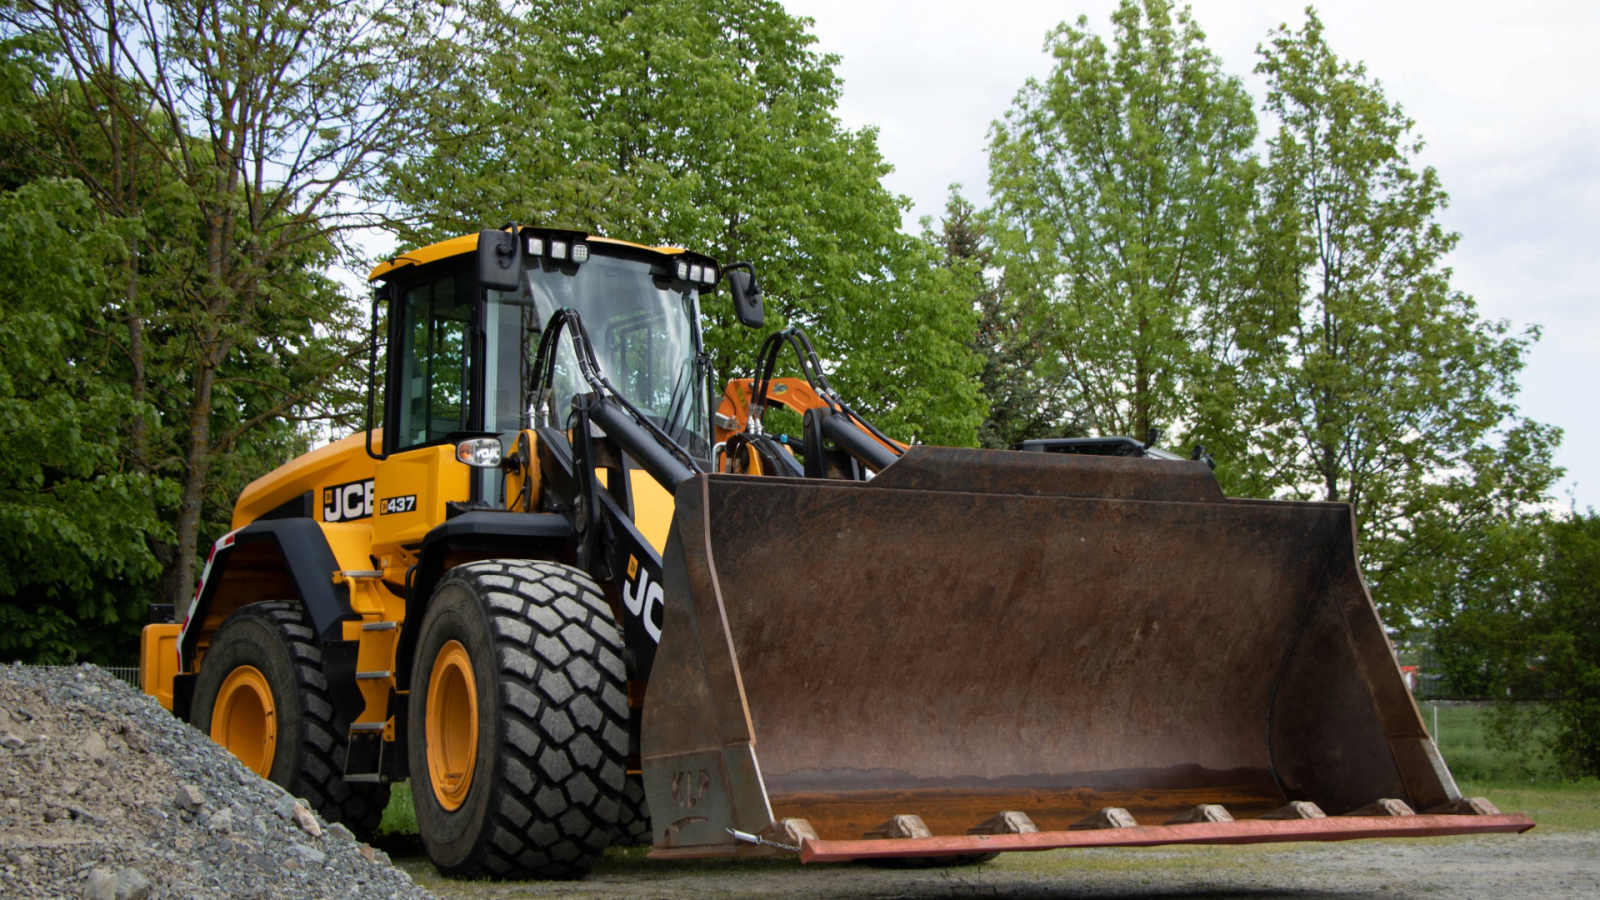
[138,429]
[1141,381]
[198,468]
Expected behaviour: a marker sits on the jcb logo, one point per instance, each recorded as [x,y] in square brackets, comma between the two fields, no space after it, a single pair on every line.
[644,599]
[689,788]
[347,502]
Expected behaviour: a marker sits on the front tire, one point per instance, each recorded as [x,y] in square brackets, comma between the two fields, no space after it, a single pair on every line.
[528,655]
[262,696]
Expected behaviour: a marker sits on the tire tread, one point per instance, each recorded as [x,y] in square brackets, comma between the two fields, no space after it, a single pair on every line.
[552,813]
[319,778]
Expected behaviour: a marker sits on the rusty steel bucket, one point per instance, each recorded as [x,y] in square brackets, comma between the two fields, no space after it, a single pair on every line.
[976,632]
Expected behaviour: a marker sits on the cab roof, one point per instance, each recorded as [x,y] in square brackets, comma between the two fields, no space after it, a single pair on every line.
[468,243]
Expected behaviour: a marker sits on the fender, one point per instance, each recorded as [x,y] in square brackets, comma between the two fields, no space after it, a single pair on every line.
[477,534]
[293,549]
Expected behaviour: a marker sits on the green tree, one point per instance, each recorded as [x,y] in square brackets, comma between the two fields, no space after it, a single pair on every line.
[1385,388]
[238,138]
[75,567]
[711,125]
[1122,188]
[1537,640]
[1014,350]
[1570,639]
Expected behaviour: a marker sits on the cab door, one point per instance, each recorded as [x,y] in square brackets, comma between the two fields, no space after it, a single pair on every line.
[428,401]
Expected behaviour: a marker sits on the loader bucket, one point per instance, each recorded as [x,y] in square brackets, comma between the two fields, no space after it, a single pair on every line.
[975,632]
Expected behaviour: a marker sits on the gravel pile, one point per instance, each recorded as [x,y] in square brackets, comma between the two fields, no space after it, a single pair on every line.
[104,794]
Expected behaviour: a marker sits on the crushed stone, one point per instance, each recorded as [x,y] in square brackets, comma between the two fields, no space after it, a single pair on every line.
[105,794]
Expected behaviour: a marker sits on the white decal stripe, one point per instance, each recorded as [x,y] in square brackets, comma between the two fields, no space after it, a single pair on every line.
[222,543]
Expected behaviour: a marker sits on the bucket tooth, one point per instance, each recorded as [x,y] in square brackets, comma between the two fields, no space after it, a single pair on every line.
[1205,812]
[783,838]
[1299,809]
[899,827]
[1466,806]
[1008,822]
[1109,817]
[793,832]
[1387,807]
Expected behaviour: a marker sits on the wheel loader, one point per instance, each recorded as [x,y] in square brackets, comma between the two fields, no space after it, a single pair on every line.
[574,605]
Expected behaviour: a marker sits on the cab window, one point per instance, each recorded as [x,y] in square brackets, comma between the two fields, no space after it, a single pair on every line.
[433,360]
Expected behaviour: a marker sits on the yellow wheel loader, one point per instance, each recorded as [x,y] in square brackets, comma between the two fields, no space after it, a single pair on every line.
[575,605]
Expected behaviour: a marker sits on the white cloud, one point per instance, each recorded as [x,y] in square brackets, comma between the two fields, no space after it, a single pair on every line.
[1503,93]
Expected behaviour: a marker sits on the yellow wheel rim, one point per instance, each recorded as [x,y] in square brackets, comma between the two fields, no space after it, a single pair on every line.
[244,720]
[452,732]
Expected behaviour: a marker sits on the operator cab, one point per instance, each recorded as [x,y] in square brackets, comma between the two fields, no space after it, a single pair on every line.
[463,342]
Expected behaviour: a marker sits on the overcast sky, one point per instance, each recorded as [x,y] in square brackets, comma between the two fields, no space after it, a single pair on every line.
[1504,93]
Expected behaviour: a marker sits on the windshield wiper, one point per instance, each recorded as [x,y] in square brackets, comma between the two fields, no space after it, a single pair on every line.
[680,392]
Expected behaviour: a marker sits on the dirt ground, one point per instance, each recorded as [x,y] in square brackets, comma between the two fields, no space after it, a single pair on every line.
[1552,864]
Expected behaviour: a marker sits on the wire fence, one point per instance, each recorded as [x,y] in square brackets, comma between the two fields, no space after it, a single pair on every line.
[1486,740]
[125,674]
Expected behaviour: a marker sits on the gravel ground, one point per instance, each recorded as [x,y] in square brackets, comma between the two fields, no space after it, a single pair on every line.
[105,795]
[1534,866]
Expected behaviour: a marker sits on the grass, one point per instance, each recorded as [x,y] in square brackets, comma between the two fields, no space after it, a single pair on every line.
[400,817]
[1462,731]
[1557,806]
[397,834]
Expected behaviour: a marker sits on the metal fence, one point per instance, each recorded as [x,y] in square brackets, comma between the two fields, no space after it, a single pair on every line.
[125,674]
[1486,740]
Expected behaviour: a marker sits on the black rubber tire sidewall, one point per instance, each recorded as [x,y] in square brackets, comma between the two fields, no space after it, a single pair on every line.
[251,640]
[552,721]
[451,836]
[275,637]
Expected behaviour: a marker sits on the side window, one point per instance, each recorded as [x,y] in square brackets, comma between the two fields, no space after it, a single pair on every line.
[433,362]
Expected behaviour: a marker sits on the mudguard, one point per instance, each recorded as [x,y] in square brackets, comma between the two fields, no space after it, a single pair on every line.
[270,559]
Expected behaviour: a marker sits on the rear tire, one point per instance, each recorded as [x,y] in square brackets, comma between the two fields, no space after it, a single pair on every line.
[539,798]
[307,757]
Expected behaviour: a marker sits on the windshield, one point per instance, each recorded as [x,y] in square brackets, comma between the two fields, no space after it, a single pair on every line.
[643,332]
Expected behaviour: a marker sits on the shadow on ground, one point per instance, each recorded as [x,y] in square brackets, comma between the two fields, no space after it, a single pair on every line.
[1558,860]
[1556,866]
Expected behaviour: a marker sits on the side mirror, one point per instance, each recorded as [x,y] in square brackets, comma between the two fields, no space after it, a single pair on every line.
[746,296]
[480,453]
[499,263]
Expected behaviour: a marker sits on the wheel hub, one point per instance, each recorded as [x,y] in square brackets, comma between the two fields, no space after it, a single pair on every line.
[452,731]
[245,721]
